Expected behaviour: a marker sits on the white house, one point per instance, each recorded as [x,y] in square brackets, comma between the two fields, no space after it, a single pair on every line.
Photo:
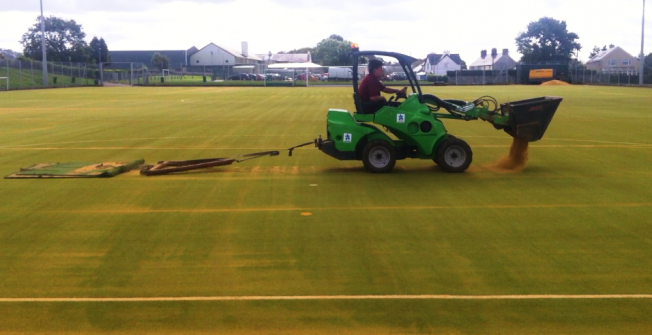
[217,55]
[439,64]
[615,60]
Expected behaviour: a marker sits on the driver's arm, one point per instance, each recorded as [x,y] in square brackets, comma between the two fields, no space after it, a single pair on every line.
[394,91]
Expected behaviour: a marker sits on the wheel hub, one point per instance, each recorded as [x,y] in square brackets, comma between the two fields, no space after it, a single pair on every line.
[379,157]
[455,156]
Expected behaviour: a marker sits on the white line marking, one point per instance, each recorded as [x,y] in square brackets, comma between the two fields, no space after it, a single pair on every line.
[342,297]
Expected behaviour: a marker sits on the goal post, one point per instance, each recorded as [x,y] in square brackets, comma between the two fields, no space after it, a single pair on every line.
[165,73]
[5,79]
[124,73]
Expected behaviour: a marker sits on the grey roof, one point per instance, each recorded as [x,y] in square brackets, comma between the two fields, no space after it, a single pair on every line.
[436,58]
[192,51]
[291,58]
[500,60]
[602,54]
[177,57]
[233,52]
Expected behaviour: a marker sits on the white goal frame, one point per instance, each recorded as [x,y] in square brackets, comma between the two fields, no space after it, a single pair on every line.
[167,78]
[6,79]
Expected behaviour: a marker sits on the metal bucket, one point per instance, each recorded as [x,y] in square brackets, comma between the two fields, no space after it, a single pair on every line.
[529,119]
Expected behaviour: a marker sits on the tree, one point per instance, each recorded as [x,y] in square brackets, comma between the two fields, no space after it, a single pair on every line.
[160,61]
[337,37]
[464,66]
[547,40]
[333,51]
[64,41]
[100,50]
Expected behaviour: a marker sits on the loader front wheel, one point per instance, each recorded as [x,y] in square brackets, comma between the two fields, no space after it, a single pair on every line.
[379,156]
[435,154]
[454,155]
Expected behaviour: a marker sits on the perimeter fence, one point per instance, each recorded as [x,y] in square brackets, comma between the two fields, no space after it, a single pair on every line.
[24,74]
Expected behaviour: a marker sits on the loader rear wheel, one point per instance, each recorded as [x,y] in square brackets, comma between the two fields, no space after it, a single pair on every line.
[454,155]
[379,156]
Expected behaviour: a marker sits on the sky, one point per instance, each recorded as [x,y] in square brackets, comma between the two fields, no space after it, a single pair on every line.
[412,27]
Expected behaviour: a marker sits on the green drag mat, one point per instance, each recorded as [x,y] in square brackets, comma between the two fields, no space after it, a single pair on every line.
[75,170]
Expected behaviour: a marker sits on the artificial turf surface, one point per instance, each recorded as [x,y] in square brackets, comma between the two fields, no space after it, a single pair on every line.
[575,221]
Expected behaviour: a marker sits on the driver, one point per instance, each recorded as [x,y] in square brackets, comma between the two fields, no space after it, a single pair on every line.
[370,88]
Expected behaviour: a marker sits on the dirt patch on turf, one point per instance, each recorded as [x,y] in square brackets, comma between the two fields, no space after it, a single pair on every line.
[276,169]
[517,158]
[555,83]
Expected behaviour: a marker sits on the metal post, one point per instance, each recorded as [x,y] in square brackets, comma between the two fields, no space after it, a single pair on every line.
[642,59]
[20,73]
[131,77]
[32,66]
[45,58]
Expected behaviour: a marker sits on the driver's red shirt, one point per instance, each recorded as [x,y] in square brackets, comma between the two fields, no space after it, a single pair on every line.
[370,87]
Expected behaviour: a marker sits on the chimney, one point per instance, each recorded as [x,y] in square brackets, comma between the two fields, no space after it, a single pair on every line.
[505,52]
[245,49]
[494,53]
[483,54]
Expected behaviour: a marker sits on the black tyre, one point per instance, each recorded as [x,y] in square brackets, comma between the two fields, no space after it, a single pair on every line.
[454,155]
[379,156]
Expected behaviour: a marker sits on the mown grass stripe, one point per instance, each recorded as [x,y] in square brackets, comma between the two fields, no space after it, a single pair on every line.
[340,297]
[304,209]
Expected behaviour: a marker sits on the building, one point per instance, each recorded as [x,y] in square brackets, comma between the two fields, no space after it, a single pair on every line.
[292,58]
[614,60]
[439,64]
[178,58]
[494,61]
[218,55]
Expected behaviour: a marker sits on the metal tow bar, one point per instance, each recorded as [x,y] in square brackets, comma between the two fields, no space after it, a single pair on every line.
[167,167]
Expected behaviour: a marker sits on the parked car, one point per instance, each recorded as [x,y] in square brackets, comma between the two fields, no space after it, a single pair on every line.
[397,76]
[275,77]
[239,76]
[303,76]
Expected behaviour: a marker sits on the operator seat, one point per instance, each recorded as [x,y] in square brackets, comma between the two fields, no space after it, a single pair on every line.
[371,107]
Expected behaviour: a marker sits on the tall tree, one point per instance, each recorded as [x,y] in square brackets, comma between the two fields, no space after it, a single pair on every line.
[333,52]
[160,61]
[64,41]
[337,37]
[100,50]
[547,40]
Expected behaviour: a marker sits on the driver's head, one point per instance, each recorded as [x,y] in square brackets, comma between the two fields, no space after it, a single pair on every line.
[376,68]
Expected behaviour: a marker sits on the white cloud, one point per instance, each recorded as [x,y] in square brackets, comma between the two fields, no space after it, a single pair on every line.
[414,27]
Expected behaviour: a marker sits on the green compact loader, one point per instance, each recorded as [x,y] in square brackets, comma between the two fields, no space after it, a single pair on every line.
[416,123]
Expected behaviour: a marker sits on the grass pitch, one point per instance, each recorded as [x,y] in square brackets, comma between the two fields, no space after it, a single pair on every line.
[575,221]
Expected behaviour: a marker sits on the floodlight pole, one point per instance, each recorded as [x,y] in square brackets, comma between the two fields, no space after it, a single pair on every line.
[45,60]
[642,58]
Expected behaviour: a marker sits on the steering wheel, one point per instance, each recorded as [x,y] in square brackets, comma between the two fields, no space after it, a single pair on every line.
[398,96]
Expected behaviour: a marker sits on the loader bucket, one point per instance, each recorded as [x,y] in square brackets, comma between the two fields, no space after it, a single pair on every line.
[530,118]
